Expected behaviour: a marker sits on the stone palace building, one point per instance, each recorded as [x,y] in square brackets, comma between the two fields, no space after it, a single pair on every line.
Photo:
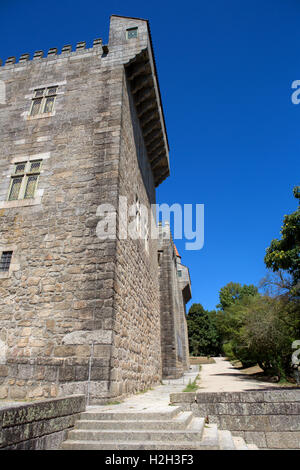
[81,314]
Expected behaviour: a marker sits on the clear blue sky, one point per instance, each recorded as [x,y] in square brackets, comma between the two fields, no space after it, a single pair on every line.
[225,69]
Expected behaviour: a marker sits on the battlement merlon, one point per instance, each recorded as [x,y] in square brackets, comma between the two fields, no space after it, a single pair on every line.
[136,54]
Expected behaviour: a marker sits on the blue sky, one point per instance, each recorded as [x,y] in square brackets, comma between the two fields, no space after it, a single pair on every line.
[225,69]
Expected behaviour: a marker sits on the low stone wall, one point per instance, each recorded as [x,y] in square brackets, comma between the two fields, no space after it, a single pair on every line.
[41,425]
[268,418]
[201,360]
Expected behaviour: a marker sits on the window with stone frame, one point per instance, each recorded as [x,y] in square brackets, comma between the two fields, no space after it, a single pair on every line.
[24,180]
[43,101]
[5,261]
[132,33]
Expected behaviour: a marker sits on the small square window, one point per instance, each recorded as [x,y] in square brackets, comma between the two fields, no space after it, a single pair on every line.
[35,166]
[132,33]
[39,93]
[20,168]
[5,261]
[52,91]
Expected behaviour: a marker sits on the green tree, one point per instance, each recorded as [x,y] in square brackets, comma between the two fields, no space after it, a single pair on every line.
[260,330]
[271,325]
[231,318]
[233,292]
[230,323]
[204,339]
[285,253]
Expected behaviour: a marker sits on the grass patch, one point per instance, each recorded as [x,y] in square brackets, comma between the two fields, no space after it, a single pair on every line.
[191,386]
[143,391]
[113,403]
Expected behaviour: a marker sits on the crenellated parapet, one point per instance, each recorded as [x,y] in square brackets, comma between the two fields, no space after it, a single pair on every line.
[66,51]
[135,53]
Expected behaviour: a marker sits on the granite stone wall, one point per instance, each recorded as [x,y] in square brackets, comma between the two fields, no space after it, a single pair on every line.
[136,357]
[79,314]
[63,277]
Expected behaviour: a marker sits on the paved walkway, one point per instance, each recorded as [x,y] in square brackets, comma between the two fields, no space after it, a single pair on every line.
[155,399]
[223,377]
[218,377]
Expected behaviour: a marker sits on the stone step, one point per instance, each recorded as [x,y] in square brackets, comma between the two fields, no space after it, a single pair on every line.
[134,445]
[210,437]
[192,433]
[226,440]
[253,447]
[181,421]
[151,415]
[239,443]
[209,441]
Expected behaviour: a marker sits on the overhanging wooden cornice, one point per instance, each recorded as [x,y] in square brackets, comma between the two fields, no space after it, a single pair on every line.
[144,89]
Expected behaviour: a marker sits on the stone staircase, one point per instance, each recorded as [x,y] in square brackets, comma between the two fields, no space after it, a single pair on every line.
[167,428]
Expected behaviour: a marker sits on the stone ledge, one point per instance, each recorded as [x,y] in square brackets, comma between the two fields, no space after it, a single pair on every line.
[21,203]
[243,409]
[15,434]
[40,410]
[41,424]
[255,396]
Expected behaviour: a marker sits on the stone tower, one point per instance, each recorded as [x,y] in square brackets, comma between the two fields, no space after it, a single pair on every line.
[79,314]
[175,292]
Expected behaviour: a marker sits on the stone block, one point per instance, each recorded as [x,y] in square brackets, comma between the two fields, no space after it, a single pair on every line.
[3,370]
[3,392]
[283,440]
[257,438]
[66,374]
[81,373]
[183,397]
[64,351]
[102,350]
[16,392]
[243,423]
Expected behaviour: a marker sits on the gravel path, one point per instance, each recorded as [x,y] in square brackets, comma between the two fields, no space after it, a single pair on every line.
[223,377]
